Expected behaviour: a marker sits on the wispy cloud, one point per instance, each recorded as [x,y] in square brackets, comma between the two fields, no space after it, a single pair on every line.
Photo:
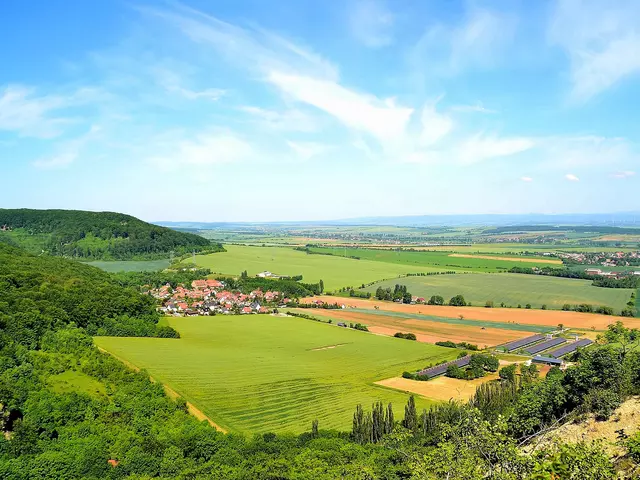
[473,108]
[478,41]
[602,41]
[31,115]
[307,150]
[625,174]
[173,83]
[201,150]
[291,119]
[371,23]
[482,147]
[526,179]
[571,177]
[68,152]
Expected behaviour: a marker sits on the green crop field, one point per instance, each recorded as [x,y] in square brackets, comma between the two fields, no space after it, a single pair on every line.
[131,265]
[261,373]
[441,260]
[336,272]
[512,289]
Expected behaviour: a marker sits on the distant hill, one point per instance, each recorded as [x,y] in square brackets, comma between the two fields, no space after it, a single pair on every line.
[95,235]
[616,219]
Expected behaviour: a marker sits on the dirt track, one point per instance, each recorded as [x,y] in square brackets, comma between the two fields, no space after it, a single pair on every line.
[585,321]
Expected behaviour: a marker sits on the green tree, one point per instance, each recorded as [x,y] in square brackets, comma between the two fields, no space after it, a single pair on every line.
[410,421]
[457,301]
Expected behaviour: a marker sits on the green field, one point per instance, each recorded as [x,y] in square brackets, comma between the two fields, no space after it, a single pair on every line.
[336,272]
[72,381]
[260,373]
[131,265]
[512,289]
[441,260]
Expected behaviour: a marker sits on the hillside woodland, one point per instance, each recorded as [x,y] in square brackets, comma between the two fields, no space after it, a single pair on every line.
[69,411]
[95,235]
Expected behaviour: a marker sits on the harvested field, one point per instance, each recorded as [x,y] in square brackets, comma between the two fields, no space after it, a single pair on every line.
[517,316]
[439,388]
[512,259]
[429,331]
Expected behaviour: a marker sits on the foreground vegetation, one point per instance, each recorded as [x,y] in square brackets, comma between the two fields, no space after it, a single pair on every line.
[95,235]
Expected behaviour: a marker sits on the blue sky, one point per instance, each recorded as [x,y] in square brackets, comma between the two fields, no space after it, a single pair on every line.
[235,110]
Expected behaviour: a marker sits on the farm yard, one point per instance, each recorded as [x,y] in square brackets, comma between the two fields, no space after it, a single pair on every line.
[263,373]
[519,317]
[512,289]
[428,328]
[335,272]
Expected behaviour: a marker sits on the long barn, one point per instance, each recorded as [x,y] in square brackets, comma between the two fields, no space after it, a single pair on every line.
[441,369]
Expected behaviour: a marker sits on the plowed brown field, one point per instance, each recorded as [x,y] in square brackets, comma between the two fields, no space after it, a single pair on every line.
[585,321]
[426,331]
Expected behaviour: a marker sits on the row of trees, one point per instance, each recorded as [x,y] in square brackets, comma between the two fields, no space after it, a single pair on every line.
[399,293]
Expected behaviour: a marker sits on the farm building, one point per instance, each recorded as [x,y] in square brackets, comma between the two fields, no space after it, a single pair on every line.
[541,347]
[572,347]
[523,342]
[442,369]
[555,362]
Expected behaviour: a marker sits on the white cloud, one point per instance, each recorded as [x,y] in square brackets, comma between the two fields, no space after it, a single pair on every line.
[173,82]
[586,151]
[602,41]
[478,41]
[206,149]
[366,113]
[625,174]
[69,151]
[307,150]
[435,126]
[29,115]
[526,179]
[474,108]
[480,147]
[371,23]
[287,120]
[252,48]
[571,177]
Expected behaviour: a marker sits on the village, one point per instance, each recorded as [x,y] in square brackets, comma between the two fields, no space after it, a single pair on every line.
[210,297]
[605,259]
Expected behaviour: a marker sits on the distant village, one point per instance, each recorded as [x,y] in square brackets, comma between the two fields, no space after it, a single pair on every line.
[605,259]
[209,297]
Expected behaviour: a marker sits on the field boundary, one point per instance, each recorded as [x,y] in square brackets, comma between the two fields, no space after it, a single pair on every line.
[170,392]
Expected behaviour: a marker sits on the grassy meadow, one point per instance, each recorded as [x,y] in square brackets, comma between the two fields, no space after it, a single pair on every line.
[336,272]
[512,289]
[442,260]
[131,265]
[261,373]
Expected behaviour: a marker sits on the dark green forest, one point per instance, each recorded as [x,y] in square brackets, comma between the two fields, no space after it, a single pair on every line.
[95,235]
[69,411]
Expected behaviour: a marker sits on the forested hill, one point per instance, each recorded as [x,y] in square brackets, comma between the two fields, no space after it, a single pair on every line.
[95,235]
[42,293]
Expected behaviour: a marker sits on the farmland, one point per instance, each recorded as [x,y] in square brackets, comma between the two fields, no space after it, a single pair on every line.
[512,289]
[264,373]
[521,318]
[443,260]
[336,272]
[430,328]
[131,265]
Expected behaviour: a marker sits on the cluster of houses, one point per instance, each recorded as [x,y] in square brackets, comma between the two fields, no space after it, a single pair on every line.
[606,259]
[210,297]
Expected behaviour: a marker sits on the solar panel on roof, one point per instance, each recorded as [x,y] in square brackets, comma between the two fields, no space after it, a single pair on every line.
[545,345]
[523,342]
[440,369]
[572,347]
